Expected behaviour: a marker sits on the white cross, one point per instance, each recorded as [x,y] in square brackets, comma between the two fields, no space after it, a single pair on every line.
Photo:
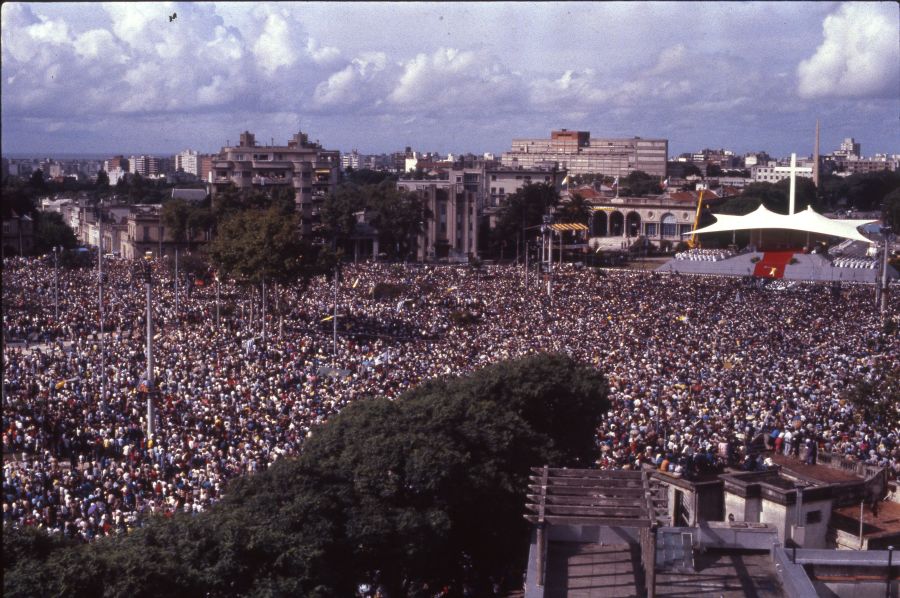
[793,192]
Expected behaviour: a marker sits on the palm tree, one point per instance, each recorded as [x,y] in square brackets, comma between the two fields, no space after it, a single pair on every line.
[576,210]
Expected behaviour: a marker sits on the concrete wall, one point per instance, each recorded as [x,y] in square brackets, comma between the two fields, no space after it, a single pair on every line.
[592,534]
[777,516]
[855,590]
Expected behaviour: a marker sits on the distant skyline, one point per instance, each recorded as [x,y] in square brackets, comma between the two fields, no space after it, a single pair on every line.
[86,78]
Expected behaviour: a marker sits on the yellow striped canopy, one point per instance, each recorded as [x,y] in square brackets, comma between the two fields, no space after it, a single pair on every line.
[567,226]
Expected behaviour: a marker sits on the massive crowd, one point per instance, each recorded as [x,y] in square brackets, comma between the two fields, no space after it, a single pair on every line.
[699,369]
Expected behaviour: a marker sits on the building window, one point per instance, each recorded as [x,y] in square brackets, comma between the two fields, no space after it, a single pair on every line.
[813,517]
[650,229]
[669,225]
[146,233]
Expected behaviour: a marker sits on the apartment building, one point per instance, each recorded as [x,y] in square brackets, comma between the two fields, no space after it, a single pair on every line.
[772,172]
[188,161]
[302,166]
[465,204]
[116,168]
[576,152]
[351,160]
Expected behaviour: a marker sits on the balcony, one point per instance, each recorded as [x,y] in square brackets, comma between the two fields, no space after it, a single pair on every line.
[271,180]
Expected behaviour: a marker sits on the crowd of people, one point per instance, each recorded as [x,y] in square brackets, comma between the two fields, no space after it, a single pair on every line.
[699,369]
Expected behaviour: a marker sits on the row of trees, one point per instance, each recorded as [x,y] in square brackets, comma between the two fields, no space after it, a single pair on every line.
[428,491]
[397,215]
[864,192]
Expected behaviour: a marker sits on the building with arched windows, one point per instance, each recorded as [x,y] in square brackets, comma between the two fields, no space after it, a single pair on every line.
[616,222]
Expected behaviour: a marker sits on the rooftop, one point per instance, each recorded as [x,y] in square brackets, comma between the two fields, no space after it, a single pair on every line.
[595,570]
[821,474]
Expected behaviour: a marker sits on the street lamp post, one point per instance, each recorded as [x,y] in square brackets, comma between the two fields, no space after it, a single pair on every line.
[100,311]
[56,283]
[217,299]
[334,319]
[150,415]
[176,284]
[526,263]
[886,233]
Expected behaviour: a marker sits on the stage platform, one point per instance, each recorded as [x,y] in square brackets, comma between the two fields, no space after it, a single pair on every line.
[778,265]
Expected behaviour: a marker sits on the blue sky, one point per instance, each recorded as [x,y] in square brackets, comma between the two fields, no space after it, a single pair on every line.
[449,77]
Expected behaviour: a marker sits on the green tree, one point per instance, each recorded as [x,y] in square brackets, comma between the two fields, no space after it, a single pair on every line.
[366,176]
[102,181]
[227,201]
[36,181]
[428,489]
[283,199]
[689,169]
[338,212]
[398,216]
[174,216]
[18,199]
[577,210]
[891,210]
[638,184]
[805,195]
[51,231]
[521,213]
[255,246]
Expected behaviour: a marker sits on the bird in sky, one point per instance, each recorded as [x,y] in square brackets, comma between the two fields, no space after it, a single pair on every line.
[173,17]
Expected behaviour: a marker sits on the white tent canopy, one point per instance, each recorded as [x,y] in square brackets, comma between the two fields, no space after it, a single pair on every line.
[806,221]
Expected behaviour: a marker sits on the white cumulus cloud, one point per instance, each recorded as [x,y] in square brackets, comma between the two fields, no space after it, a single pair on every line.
[859,56]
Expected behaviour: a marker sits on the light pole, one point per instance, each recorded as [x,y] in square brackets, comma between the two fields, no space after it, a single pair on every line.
[217,299]
[176,284]
[526,264]
[886,233]
[547,232]
[56,283]
[100,306]
[148,281]
[334,318]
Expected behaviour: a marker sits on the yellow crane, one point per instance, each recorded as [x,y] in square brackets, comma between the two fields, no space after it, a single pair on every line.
[693,242]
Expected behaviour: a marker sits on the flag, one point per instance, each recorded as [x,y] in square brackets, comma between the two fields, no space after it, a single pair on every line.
[327,318]
[665,184]
[565,182]
[355,282]
[616,182]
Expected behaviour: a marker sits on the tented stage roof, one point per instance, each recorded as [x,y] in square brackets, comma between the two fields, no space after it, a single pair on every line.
[806,221]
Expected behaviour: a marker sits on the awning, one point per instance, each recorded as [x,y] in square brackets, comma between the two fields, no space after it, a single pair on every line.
[806,221]
[567,226]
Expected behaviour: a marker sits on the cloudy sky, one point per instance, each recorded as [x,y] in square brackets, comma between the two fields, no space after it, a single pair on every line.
[122,77]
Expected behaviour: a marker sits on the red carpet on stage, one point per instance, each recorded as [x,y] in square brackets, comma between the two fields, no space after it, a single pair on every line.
[772,264]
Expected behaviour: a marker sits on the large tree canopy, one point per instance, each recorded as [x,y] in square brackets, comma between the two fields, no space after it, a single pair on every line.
[522,211]
[255,246]
[428,489]
[398,215]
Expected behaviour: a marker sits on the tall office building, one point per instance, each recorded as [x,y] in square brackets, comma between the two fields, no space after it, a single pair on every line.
[576,152]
